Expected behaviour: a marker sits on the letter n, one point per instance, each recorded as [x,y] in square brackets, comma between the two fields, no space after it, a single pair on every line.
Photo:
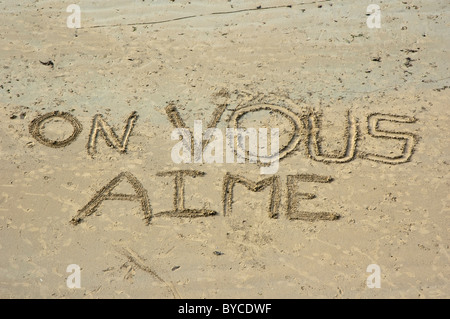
[106,194]
[100,126]
[231,180]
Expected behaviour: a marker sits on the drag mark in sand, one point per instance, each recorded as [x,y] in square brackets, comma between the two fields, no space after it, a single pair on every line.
[205,15]
[139,262]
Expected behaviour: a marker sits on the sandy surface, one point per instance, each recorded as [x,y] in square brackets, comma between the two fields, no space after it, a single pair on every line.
[316,58]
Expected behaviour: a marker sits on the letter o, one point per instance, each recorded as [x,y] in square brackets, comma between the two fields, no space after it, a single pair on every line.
[293,117]
[36,126]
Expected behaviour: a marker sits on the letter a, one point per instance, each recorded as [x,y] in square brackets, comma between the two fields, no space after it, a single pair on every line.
[106,194]
[374,16]
[74,279]
[74,20]
[374,280]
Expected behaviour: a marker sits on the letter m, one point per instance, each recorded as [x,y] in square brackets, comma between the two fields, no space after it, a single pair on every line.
[231,180]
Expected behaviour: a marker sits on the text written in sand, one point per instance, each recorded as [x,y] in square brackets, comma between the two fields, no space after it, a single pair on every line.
[307,130]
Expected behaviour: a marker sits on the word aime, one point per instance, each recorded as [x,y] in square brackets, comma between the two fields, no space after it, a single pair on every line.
[294,197]
[306,129]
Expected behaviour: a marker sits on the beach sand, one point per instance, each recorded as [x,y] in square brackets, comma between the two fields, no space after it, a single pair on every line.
[132,61]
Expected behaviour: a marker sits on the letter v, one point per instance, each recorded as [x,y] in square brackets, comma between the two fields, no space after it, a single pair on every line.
[177,121]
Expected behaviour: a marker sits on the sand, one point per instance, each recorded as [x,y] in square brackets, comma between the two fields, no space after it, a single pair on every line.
[87,178]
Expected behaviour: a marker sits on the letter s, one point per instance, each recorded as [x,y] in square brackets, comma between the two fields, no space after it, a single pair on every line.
[410,139]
